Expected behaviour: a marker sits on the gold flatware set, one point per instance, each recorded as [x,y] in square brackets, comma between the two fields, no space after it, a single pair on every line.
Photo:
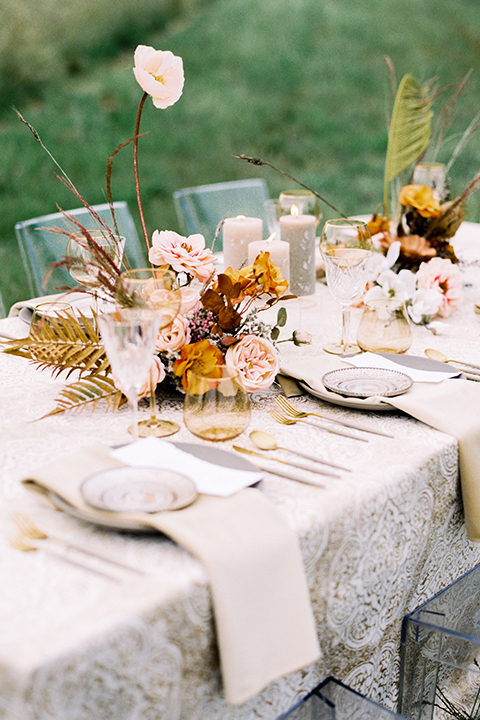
[32,538]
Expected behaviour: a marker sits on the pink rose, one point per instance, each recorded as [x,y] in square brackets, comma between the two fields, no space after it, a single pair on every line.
[160,74]
[175,336]
[184,254]
[256,360]
[157,369]
[442,275]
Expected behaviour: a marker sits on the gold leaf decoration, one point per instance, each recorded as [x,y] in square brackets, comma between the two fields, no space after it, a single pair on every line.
[88,392]
[410,129]
[64,344]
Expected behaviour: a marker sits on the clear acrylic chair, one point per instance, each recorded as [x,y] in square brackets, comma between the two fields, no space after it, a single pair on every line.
[332,700]
[200,209]
[39,248]
[440,653]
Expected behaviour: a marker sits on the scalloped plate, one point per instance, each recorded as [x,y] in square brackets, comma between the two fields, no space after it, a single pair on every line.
[366,382]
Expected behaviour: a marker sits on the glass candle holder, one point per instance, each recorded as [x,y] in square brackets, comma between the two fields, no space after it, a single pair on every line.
[384,327]
[216,408]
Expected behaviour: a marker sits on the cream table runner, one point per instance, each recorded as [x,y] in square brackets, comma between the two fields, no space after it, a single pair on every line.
[264,621]
[452,406]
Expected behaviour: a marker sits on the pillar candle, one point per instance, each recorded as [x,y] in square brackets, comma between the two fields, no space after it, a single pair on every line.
[299,232]
[279,254]
[238,232]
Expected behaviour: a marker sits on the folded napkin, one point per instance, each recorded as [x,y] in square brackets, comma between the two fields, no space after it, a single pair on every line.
[264,621]
[209,479]
[451,406]
[81,301]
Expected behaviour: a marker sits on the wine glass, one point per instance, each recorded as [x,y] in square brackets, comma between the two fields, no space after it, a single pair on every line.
[129,336]
[88,255]
[346,246]
[158,290]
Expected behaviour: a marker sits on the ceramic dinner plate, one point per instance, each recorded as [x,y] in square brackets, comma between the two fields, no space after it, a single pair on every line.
[214,455]
[142,489]
[366,382]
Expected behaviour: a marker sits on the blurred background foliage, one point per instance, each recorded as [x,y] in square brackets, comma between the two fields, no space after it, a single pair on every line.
[301,83]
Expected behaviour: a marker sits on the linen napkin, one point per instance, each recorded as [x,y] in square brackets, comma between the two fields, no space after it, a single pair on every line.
[81,301]
[264,620]
[209,479]
[451,406]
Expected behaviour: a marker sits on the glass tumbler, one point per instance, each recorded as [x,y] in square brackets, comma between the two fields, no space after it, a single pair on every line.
[384,327]
[216,408]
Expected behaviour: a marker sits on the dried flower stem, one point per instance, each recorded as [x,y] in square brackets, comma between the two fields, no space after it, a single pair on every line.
[135,170]
[258,161]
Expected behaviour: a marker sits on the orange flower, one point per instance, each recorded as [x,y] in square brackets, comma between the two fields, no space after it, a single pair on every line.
[421,198]
[200,358]
[268,275]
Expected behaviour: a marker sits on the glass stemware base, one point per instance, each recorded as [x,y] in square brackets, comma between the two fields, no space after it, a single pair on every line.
[340,349]
[157,427]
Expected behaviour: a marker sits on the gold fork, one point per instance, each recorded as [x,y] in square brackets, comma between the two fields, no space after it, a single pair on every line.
[291,410]
[28,528]
[19,543]
[277,415]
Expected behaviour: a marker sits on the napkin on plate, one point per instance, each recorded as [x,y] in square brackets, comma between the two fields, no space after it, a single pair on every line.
[264,620]
[209,479]
[451,406]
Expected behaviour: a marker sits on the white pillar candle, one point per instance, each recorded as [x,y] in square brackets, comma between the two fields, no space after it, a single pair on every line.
[279,254]
[299,232]
[238,232]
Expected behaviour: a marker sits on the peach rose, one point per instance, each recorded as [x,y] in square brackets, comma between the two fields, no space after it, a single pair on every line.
[174,336]
[157,369]
[256,361]
[442,275]
[190,299]
[183,254]
[160,74]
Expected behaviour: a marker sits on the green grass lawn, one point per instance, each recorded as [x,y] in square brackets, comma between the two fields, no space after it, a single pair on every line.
[300,83]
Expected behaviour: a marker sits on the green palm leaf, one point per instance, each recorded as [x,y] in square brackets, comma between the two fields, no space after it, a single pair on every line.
[410,129]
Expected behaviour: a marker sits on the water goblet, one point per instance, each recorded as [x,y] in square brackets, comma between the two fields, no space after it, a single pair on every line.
[129,336]
[345,245]
[216,408]
[91,255]
[158,290]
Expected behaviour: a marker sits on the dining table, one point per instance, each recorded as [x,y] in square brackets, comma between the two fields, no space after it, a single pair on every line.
[376,541]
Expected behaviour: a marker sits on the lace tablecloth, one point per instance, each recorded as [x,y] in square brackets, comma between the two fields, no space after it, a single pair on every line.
[376,544]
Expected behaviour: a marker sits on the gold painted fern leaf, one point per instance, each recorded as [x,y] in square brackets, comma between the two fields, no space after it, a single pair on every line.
[64,344]
[88,392]
[410,129]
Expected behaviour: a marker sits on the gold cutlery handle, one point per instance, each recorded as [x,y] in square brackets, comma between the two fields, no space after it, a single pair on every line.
[316,459]
[317,471]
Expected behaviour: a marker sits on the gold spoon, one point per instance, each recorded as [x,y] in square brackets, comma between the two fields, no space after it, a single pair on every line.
[317,471]
[265,441]
[438,355]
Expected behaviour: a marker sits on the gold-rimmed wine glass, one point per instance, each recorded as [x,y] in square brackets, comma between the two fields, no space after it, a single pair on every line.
[91,255]
[346,246]
[156,289]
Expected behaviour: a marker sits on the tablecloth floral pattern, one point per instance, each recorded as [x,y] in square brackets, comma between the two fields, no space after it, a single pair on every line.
[376,544]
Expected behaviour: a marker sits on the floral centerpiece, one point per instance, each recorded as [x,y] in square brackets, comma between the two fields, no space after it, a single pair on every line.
[219,321]
[412,229]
